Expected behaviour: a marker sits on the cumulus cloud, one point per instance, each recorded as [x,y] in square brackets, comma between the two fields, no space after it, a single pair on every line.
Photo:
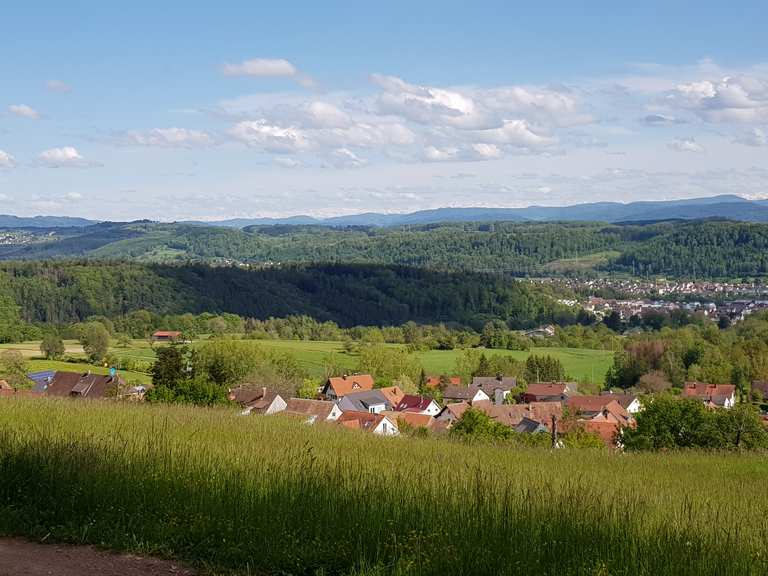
[686,145]
[24,111]
[754,137]
[6,160]
[67,156]
[58,86]
[517,133]
[73,196]
[169,138]
[345,158]
[269,137]
[737,99]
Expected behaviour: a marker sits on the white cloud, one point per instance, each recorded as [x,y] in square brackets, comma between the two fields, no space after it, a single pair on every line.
[169,138]
[486,151]
[261,67]
[326,115]
[516,133]
[6,160]
[433,154]
[269,137]
[73,196]
[345,158]
[754,137]
[24,111]
[58,86]
[739,99]
[686,145]
[62,157]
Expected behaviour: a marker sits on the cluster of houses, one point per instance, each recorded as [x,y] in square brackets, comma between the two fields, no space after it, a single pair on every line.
[62,384]
[353,401]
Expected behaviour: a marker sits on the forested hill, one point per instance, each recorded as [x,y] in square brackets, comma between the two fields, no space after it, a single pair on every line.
[62,293]
[675,248]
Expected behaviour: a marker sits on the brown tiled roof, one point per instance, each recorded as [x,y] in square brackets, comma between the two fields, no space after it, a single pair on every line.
[456,409]
[413,419]
[513,414]
[393,394]
[343,385]
[624,399]
[546,388]
[80,385]
[605,430]
[490,383]
[305,407]
[360,420]
[434,381]
[459,392]
[708,392]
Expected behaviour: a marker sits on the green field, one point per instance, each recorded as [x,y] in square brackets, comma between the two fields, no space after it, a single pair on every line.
[268,495]
[583,365]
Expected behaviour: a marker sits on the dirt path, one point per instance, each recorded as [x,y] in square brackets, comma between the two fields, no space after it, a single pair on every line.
[22,558]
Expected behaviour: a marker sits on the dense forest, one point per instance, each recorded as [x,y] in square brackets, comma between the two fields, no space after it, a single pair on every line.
[64,292]
[702,249]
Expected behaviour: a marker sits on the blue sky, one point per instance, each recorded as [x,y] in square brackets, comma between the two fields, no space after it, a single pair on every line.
[179,110]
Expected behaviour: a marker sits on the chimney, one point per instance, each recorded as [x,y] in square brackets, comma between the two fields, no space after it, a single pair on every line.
[263,391]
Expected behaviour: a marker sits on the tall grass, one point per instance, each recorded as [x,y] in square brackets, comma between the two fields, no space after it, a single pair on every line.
[272,496]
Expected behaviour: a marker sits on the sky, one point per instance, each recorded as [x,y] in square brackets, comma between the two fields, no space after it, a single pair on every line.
[199,110]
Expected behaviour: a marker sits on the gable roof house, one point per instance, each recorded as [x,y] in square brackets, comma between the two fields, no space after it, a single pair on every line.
[714,395]
[513,414]
[312,410]
[600,408]
[630,402]
[464,394]
[340,386]
[372,401]
[76,385]
[412,419]
[166,336]
[393,394]
[497,388]
[549,391]
[257,399]
[418,405]
[379,424]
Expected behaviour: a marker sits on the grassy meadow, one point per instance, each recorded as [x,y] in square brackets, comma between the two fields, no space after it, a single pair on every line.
[581,364]
[268,495]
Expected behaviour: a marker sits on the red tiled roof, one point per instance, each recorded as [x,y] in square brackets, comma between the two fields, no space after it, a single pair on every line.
[413,403]
[343,385]
[707,391]
[434,381]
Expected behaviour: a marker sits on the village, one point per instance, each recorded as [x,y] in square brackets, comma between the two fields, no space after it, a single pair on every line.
[354,402]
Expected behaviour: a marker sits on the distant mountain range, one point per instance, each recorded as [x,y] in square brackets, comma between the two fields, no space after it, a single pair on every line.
[725,206]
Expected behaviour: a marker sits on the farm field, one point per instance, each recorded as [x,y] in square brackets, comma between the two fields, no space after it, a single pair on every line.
[581,364]
[269,495]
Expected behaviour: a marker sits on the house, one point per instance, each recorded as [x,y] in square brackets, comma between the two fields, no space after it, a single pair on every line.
[393,394]
[464,394]
[609,432]
[369,422]
[529,426]
[372,401]
[497,389]
[418,405]
[714,395]
[541,332]
[452,412]
[340,386]
[513,414]
[312,410]
[630,402]
[437,381]
[549,391]
[412,419]
[6,389]
[166,336]
[602,408]
[257,399]
[76,385]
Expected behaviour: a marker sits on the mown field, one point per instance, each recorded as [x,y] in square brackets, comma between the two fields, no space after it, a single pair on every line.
[267,495]
[581,364]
